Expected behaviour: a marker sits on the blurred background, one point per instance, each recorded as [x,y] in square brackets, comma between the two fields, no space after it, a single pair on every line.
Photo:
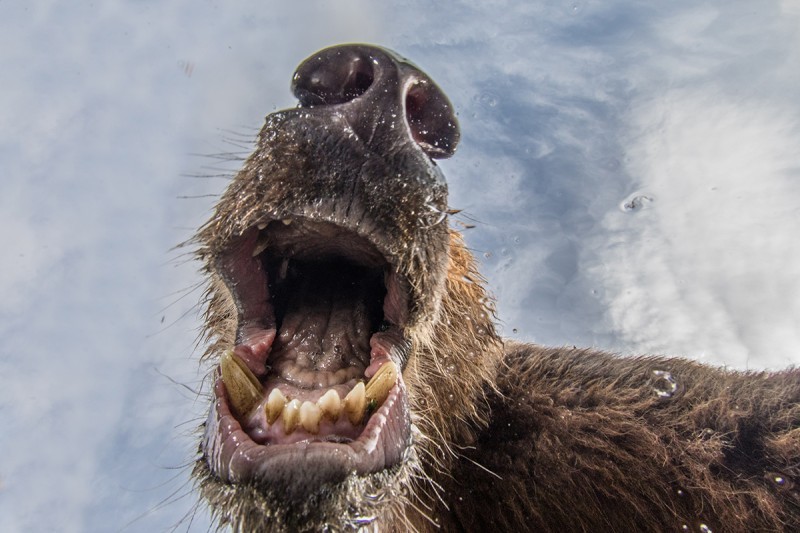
[629,176]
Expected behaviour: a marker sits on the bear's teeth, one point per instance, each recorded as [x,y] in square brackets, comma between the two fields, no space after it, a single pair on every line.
[330,405]
[275,403]
[244,389]
[309,417]
[355,403]
[291,416]
[261,244]
[377,390]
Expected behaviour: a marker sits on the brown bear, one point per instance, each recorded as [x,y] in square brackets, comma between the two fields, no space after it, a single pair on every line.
[359,382]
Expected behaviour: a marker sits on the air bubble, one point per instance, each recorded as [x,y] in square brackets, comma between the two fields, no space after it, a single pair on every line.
[636,202]
[664,384]
[705,529]
[487,99]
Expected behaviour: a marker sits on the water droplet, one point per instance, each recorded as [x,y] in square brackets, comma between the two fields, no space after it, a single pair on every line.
[487,99]
[685,527]
[664,384]
[779,480]
[514,330]
[680,492]
[705,529]
[636,202]
[363,520]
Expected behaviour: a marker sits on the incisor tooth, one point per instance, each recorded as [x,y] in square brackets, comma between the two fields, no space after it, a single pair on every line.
[291,416]
[330,405]
[244,389]
[309,417]
[275,402]
[355,403]
[381,383]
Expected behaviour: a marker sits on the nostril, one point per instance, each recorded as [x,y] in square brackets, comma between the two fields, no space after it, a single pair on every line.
[333,77]
[431,120]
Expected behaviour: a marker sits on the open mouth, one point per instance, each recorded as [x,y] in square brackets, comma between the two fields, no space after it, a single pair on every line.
[314,378]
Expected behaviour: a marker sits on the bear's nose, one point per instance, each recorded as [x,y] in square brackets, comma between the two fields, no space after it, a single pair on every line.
[385,99]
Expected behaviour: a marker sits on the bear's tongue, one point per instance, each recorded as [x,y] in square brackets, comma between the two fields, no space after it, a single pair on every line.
[327,315]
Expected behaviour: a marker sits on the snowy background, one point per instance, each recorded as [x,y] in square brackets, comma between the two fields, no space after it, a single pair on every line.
[632,171]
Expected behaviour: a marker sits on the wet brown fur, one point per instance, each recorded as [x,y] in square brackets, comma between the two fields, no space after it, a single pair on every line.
[520,437]
[513,437]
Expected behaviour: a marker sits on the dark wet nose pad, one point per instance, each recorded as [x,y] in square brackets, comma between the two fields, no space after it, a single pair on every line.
[342,74]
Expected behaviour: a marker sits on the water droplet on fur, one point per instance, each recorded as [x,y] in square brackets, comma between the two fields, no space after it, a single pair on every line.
[705,529]
[779,480]
[664,384]
[685,527]
[436,215]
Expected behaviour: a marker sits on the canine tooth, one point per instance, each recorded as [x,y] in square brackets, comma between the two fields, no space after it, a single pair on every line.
[284,270]
[291,416]
[355,403]
[309,417]
[330,405]
[275,403]
[261,244]
[244,389]
[377,390]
